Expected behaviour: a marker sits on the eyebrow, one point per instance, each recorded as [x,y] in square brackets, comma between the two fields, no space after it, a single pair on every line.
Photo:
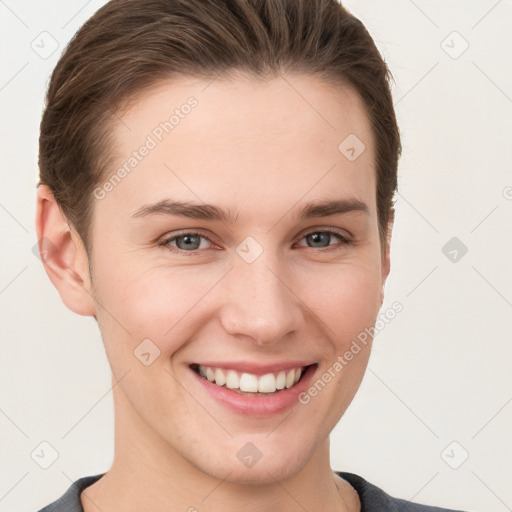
[210,212]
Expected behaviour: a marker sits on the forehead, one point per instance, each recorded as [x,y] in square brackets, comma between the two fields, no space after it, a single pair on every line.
[281,139]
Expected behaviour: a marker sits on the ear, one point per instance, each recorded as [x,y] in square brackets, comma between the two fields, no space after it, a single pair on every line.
[63,255]
[386,255]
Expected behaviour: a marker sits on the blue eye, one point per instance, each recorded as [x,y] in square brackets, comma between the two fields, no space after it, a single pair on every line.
[186,242]
[325,236]
[190,242]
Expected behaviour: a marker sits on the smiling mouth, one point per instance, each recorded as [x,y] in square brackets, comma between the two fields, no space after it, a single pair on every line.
[251,384]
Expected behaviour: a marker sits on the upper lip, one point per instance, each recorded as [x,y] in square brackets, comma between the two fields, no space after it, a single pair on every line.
[255,368]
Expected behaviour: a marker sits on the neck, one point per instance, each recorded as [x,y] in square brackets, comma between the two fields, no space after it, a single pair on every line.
[148,474]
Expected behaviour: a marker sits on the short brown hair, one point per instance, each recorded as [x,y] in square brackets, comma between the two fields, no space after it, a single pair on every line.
[128,45]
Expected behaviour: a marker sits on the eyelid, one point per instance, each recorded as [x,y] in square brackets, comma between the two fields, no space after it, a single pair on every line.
[164,242]
[345,235]
[345,239]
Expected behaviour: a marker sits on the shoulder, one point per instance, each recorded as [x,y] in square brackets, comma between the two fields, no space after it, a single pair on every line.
[374,499]
[70,500]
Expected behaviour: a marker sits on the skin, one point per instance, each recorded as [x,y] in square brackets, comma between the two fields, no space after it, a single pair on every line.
[175,447]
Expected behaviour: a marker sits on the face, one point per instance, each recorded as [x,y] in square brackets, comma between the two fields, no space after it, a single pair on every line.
[258,282]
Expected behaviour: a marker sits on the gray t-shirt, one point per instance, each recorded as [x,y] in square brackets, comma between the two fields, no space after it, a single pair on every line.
[372,498]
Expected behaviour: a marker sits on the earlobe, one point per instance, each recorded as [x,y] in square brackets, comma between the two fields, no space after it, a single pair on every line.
[63,254]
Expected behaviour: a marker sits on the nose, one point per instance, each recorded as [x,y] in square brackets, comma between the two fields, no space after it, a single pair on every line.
[261,301]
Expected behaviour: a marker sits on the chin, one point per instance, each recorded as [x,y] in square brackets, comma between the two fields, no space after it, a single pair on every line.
[263,473]
[251,466]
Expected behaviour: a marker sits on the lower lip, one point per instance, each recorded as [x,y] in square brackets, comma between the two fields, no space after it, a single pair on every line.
[252,405]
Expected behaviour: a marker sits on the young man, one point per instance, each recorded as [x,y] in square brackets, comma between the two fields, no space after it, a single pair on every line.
[216,190]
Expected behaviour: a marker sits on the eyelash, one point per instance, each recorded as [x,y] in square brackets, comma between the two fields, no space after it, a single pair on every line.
[344,240]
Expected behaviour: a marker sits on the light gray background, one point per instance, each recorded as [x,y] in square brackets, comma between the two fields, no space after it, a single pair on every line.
[440,372]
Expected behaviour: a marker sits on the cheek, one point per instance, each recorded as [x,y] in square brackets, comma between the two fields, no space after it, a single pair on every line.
[345,297]
[157,304]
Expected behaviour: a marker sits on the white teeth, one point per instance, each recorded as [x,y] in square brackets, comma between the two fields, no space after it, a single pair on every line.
[220,378]
[290,377]
[248,382]
[267,383]
[232,380]
[281,380]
